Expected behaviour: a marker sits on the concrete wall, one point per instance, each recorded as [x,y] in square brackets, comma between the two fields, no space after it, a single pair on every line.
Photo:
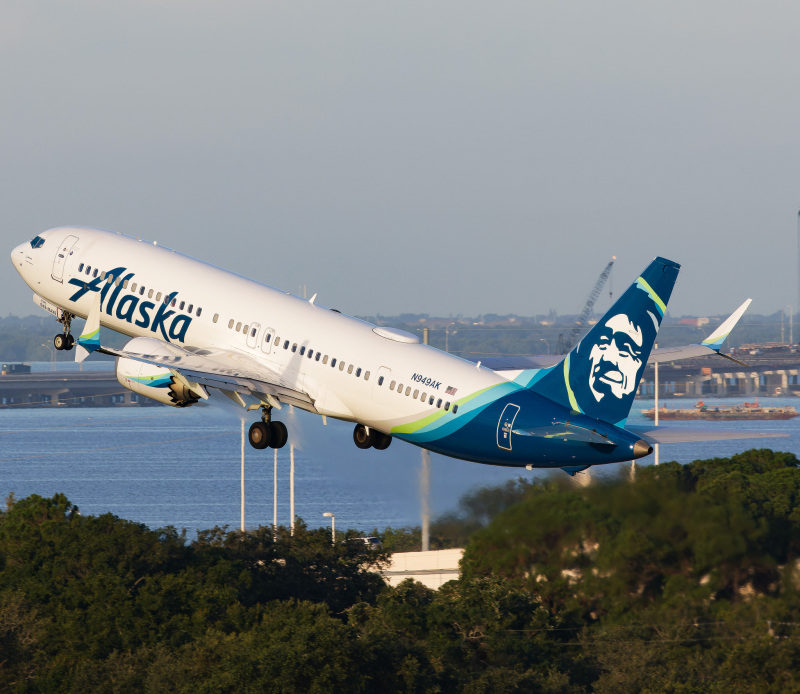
[432,569]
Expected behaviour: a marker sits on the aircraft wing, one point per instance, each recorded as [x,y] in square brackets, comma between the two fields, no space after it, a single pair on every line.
[711,345]
[653,434]
[227,370]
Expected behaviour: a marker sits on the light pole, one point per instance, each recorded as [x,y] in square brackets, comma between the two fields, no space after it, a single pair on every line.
[52,355]
[547,344]
[328,514]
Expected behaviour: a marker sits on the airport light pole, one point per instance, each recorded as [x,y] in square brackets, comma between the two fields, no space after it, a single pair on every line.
[328,514]
[242,482]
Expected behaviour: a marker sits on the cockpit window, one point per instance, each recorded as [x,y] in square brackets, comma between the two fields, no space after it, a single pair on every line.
[37,242]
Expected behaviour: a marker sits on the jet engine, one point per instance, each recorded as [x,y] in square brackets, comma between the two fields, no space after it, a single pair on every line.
[156,382]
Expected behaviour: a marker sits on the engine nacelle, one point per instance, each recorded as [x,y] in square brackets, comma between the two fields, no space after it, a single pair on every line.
[152,381]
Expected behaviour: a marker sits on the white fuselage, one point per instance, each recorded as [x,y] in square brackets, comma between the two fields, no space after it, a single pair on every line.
[214,309]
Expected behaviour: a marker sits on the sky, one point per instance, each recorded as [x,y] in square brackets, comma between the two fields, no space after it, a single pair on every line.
[428,157]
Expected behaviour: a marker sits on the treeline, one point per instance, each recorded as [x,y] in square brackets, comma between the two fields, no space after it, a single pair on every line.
[684,580]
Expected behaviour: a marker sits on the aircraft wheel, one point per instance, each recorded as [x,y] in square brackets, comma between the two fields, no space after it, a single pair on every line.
[259,435]
[60,341]
[278,434]
[380,441]
[362,437]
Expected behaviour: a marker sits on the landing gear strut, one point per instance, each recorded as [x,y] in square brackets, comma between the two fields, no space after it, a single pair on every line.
[266,433]
[64,341]
[370,438]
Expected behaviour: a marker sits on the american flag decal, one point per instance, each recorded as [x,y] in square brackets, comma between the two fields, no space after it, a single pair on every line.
[450,390]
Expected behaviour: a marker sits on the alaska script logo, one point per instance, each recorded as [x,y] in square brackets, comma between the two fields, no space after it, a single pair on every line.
[134,309]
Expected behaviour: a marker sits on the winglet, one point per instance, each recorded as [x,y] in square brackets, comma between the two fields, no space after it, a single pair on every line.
[714,340]
[89,341]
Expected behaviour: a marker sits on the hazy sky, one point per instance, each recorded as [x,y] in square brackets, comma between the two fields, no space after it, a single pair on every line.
[439,157]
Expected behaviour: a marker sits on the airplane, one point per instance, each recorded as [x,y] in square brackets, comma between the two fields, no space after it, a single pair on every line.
[200,331]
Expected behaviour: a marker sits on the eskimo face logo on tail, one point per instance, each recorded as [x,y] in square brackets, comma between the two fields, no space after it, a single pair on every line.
[616,358]
[604,370]
[171,325]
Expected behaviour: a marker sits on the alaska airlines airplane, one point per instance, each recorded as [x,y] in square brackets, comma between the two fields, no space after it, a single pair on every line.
[199,330]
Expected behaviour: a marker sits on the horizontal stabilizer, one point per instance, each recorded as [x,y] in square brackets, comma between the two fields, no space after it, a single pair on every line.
[653,434]
[565,430]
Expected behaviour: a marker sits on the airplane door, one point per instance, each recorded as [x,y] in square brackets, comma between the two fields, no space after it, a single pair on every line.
[61,257]
[505,425]
[382,380]
[266,340]
[252,335]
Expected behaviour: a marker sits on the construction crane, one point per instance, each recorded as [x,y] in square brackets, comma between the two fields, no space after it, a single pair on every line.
[580,324]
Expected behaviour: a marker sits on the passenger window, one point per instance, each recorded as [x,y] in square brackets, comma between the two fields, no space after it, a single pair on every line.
[103,275]
[302,350]
[325,359]
[216,317]
[446,406]
[253,332]
[350,369]
[267,338]
[341,366]
[286,344]
[439,403]
[181,306]
[88,269]
[431,400]
[455,409]
[133,287]
[408,390]
[80,267]
[141,290]
[366,375]
[358,373]
[125,284]
[199,311]
[380,380]
[245,329]
[158,298]
[238,326]
[95,273]
[117,282]
[416,394]
[317,357]
[150,296]
[423,397]
[392,385]
[333,362]
[188,309]
[230,323]
[294,347]
[175,301]
[311,354]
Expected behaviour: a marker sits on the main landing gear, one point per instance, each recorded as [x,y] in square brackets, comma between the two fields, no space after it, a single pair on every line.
[370,438]
[266,433]
[64,341]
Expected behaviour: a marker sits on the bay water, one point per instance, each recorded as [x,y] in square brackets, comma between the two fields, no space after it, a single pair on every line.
[164,466]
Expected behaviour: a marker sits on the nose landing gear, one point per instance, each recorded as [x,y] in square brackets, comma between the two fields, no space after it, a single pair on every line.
[266,433]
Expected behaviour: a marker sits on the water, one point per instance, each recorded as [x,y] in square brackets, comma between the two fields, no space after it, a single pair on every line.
[163,466]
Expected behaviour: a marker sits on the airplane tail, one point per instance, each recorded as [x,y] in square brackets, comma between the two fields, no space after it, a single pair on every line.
[600,376]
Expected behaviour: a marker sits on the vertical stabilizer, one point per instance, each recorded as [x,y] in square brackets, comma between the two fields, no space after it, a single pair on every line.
[599,377]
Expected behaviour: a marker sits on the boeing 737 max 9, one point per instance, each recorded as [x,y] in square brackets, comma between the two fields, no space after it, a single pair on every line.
[199,331]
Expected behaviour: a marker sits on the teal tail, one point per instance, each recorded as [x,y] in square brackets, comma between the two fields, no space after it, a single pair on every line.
[601,375]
